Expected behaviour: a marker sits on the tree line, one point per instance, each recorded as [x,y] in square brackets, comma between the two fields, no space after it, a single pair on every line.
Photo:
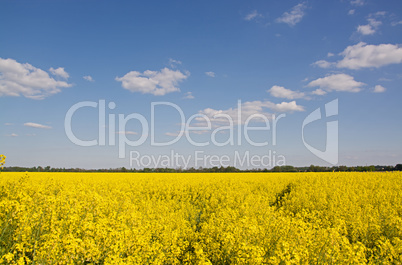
[311,168]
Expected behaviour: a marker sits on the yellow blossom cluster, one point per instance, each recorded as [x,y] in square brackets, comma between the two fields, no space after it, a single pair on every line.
[2,161]
[201,218]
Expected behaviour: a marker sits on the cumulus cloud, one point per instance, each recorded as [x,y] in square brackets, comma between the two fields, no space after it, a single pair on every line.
[323,64]
[88,78]
[335,82]
[173,63]
[188,95]
[37,125]
[365,29]
[281,92]
[385,79]
[252,15]
[319,92]
[380,13]
[370,28]
[211,74]
[294,16]
[258,108]
[59,72]
[396,23]
[357,2]
[362,55]
[18,79]
[157,83]
[351,12]
[379,89]
[284,106]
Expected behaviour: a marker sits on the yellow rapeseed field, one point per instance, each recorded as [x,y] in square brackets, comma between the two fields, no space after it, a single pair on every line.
[201,218]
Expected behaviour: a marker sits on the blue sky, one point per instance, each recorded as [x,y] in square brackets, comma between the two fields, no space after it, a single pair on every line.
[275,57]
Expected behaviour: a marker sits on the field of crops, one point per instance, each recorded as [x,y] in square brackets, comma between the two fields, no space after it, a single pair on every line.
[241,218]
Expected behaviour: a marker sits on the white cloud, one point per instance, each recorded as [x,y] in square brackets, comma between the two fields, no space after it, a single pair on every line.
[370,28]
[157,83]
[281,92]
[247,109]
[127,132]
[173,63]
[330,54]
[319,92]
[88,78]
[384,79]
[335,82]
[59,72]
[211,74]
[351,12]
[252,15]
[380,13]
[12,135]
[365,29]
[362,55]
[396,23]
[323,64]
[37,125]
[357,2]
[188,95]
[294,16]
[285,106]
[8,124]
[18,79]
[373,22]
[379,89]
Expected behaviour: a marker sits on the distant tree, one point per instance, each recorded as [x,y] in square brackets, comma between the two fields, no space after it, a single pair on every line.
[343,168]
[284,169]
[276,169]
[231,169]
[312,168]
